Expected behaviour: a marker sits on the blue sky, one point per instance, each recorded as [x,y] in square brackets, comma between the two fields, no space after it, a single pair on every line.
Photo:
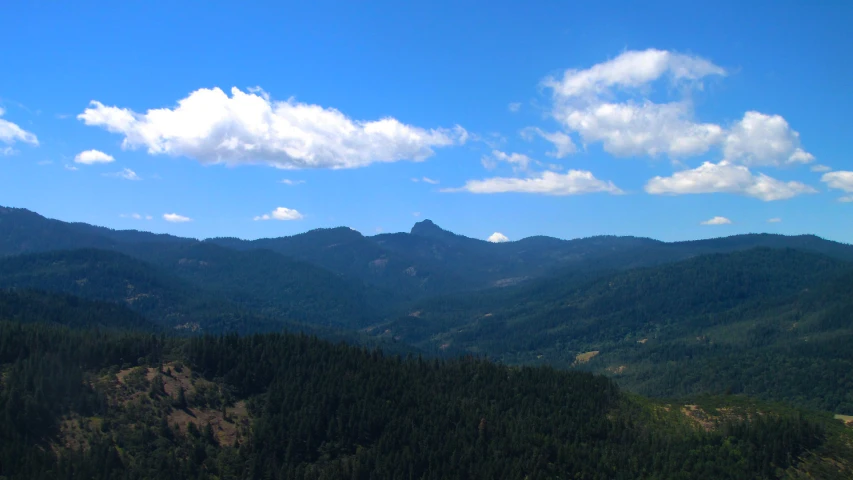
[567,119]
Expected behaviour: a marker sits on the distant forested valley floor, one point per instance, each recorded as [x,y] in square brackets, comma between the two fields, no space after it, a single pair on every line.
[131,355]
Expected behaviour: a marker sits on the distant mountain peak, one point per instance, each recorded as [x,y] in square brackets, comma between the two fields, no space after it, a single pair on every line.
[427,228]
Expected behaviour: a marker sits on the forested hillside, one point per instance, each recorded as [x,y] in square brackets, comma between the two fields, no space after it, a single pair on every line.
[771,323]
[764,315]
[200,285]
[80,403]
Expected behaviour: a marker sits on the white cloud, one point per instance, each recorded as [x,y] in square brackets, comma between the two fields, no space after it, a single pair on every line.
[11,133]
[430,181]
[609,103]
[760,139]
[44,162]
[514,107]
[774,220]
[249,128]
[574,182]
[126,174]
[517,160]
[416,214]
[497,237]
[280,213]
[136,216]
[563,143]
[724,177]
[175,218]
[288,181]
[634,129]
[8,151]
[839,180]
[583,103]
[820,168]
[71,168]
[717,221]
[632,69]
[91,157]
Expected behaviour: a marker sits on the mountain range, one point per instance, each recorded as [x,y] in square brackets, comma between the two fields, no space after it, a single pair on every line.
[656,316]
[126,354]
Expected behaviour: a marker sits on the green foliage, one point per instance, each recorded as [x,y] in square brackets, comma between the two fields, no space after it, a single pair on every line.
[333,411]
[770,323]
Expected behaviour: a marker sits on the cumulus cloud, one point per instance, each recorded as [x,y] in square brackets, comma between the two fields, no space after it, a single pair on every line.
[583,103]
[126,174]
[497,237]
[91,157]
[725,177]
[514,107]
[290,182]
[574,182]
[634,129]
[249,128]
[632,69]
[717,221]
[175,218]
[280,213]
[774,220]
[430,181]
[760,139]
[11,133]
[840,180]
[609,103]
[820,168]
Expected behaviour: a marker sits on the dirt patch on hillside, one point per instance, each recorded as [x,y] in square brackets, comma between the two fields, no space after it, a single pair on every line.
[72,432]
[204,399]
[847,419]
[585,357]
[229,425]
[695,413]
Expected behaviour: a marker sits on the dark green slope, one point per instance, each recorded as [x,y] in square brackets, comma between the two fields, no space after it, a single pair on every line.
[811,243]
[272,284]
[114,277]
[772,323]
[197,286]
[100,275]
[798,349]
[23,231]
[588,311]
[27,306]
[115,405]
[347,252]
